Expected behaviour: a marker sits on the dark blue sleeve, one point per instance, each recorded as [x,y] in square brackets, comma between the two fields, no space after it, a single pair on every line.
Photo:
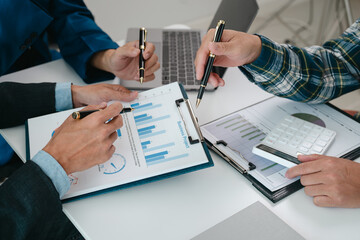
[30,207]
[79,37]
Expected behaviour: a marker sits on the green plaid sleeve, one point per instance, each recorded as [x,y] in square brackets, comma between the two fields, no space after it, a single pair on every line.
[314,74]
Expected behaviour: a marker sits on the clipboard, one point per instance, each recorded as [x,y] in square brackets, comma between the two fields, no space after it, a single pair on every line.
[161,138]
[232,136]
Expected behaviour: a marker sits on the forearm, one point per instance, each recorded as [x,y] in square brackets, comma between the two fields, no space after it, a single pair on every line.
[315,74]
[28,199]
[19,102]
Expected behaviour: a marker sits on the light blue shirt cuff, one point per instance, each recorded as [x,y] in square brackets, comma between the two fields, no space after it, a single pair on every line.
[63,98]
[54,171]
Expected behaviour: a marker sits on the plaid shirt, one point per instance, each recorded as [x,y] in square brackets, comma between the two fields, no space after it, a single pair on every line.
[314,74]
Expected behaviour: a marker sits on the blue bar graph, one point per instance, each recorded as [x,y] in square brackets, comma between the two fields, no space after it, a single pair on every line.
[143,119]
[155,159]
[161,160]
[152,120]
[146,107]
[145,143]
[149,123]
[144,132]
[159,147]
[140,116]
[152,134]
[146,128]
[138,106]
[155,155]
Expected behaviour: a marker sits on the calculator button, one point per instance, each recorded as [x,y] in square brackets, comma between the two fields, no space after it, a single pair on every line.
[317,149]
[269,141]
[324,138]
[306,145]
[276,133]
[310,139]
[303,149]
[307,125]
[281,128]
[283,141]
[293,145]
[314,134]
[321,143]
[327,132]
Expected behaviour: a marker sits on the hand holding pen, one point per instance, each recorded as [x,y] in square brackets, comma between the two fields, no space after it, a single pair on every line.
[142,47]
[217,37]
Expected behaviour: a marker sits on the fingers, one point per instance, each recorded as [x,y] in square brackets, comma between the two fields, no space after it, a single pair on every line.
[220,48]
[304,168]
[324,201]
[121,93]
[215,80]
[308,158]
[128,50]
[110,112]
[149,51]
[95,107]
[316,190]
[202,54]
[313,179]
[151,65]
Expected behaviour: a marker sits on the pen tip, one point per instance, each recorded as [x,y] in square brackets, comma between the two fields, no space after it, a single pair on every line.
[141,80]
[198,102]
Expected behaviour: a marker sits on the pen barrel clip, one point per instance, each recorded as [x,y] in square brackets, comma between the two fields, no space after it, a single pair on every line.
[219,30]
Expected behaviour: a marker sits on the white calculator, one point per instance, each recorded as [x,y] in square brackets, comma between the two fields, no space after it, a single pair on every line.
[291,137]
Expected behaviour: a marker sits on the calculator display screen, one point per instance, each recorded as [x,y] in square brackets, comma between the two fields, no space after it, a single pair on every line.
[278,153]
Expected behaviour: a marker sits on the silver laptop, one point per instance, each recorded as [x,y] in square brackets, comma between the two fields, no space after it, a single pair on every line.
[177,48]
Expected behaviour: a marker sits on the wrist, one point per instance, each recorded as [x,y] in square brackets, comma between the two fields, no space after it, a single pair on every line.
[76,96]
[58,157]
[256,45]
[102,60]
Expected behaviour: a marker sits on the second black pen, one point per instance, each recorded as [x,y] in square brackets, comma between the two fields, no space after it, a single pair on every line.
[82,114]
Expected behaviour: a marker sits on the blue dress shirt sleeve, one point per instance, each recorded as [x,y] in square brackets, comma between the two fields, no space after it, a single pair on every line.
[63,98]
[54,171]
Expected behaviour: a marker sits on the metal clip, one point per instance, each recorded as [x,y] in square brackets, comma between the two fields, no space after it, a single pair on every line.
[193,118]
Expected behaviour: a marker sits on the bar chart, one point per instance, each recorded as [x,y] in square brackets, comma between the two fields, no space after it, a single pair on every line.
[153,130]
[241,135]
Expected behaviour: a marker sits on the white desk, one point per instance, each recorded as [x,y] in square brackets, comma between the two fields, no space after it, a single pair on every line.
[184,206]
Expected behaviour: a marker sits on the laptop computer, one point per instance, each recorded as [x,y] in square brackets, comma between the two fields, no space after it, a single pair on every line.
[177,48]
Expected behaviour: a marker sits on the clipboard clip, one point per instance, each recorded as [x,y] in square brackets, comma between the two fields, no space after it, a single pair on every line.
[250,164]
[193,118]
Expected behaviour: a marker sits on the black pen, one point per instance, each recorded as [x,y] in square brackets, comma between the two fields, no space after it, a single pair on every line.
[217,36]
[142,47]
[82,114]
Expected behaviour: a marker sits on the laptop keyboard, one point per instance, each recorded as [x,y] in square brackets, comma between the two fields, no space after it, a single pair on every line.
[179,51]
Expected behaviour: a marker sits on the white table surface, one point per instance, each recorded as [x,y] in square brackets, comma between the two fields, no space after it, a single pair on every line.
[184,206]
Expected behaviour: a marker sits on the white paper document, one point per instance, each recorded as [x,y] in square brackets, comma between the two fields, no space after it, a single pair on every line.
[245,128]
[152,142]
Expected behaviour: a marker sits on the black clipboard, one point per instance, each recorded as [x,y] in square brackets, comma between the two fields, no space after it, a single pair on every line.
[277,195]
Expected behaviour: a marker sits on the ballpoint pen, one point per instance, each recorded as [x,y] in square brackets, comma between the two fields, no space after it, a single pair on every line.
[142,46]
[82,114]
[217,36]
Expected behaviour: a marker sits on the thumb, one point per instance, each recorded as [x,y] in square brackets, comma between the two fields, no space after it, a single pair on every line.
[220,48]
[127,51]
[126,96]
[308,158]
[95,107]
